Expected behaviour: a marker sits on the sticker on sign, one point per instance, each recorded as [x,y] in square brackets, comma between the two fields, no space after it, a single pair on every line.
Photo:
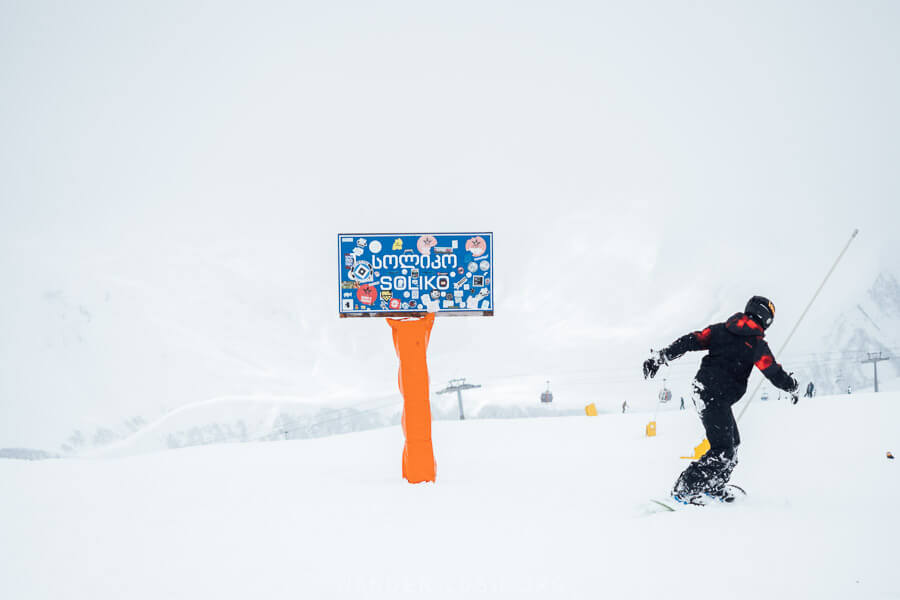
[386,266]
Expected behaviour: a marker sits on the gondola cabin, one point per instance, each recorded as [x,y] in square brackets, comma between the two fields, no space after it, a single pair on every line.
[547,395]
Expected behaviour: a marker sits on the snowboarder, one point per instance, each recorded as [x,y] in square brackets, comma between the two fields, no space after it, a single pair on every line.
[810,390]
[734,346]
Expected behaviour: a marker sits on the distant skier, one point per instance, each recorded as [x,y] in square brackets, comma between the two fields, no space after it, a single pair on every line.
[849,391]
[682,404]
[624,406]
[734,346]
[810,390]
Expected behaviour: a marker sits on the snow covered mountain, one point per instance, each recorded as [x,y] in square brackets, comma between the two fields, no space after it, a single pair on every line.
[261,418]
[870,326]
[207,327]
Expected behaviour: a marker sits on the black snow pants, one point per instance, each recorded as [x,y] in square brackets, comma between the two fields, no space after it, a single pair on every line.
[713,470]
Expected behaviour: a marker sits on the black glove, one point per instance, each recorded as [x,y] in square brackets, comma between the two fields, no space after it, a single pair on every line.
[794,386]
[652,364]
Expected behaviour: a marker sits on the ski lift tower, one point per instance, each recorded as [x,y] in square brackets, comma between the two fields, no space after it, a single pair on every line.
[875,359]
[458,385]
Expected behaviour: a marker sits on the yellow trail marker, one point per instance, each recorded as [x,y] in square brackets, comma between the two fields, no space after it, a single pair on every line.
[699,450]
[651,429]
[591,410]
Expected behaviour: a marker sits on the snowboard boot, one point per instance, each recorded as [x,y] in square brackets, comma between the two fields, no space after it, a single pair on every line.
[726,493]
[687,494]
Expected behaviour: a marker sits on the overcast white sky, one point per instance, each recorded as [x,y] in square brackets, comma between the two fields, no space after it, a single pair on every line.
[645,167]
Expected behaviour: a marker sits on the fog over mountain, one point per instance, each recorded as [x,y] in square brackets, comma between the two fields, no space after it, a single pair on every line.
[172,182]
[872,326]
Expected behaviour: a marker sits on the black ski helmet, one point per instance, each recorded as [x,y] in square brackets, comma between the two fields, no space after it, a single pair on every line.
[761,309]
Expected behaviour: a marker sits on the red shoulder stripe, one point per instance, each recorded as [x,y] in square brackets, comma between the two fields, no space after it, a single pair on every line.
[765,361]
[703,337]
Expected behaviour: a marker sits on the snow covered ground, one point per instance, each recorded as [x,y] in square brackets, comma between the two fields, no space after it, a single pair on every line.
[522,508]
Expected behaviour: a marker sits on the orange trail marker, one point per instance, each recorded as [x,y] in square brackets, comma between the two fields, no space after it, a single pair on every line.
[411,342]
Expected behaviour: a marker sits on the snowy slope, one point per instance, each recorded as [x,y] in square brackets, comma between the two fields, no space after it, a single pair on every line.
[529,508]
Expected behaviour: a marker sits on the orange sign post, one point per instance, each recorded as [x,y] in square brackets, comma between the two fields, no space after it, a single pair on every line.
[411,342]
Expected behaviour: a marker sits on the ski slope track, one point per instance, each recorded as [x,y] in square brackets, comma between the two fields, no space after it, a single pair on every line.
[522,508]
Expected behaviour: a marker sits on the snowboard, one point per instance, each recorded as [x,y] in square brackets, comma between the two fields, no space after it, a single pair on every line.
[670,504]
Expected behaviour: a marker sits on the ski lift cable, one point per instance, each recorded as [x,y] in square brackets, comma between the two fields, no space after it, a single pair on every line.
[802,315]
[806,359]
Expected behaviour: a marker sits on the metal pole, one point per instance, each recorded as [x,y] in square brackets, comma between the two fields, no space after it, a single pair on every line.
[458,385]
[806,310]
[875,360]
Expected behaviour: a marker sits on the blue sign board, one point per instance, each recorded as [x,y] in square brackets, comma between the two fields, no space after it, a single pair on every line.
[402,274]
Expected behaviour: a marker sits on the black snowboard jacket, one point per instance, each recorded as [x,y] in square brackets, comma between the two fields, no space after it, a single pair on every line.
[735,346]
